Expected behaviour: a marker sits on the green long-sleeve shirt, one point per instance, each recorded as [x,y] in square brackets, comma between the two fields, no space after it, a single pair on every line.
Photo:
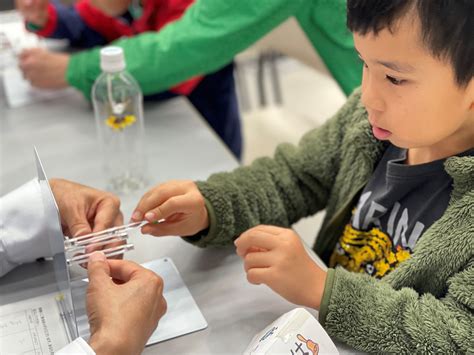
[212,32]
[423,306]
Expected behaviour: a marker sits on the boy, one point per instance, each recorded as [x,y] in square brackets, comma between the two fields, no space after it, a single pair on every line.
[394,169]
[87,26]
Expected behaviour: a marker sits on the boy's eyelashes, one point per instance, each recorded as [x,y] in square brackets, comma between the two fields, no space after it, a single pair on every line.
[395,81]
[391,79]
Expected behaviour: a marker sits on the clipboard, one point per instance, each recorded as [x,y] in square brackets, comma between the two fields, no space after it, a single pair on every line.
[183,315]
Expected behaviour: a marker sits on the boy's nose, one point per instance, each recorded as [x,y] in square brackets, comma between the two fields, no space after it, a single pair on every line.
[371,99]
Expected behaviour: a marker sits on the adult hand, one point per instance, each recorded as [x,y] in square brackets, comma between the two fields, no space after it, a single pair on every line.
[179,203]
[34,11]
[84,209]
[124,304]
[44,69]
[276,257]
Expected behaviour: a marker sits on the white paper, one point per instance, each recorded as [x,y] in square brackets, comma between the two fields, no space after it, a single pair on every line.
[19,91]
[33,326]
[183,316]
[13,39]
[295,332]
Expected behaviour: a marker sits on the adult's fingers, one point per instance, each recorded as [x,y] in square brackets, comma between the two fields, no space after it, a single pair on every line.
[124,270]
[74,217]
[106,214]
[98,269]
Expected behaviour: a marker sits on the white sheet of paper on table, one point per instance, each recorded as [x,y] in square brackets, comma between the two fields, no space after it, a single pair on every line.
[32,326]
[19,92]
[183,316]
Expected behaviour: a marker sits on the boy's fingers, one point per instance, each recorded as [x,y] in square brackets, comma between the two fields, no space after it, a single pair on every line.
[259,276]
[269,229]
[254,238]
[158,195]
[258,260]
[153,198]
[167,229]
[176,204]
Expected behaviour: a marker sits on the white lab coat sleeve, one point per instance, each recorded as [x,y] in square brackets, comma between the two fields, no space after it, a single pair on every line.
[22,227]
[23,239]
[77,347]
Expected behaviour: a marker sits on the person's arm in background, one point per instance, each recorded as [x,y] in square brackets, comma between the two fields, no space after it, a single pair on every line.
[208,36]
[82,24]
[111,7]
[22,224]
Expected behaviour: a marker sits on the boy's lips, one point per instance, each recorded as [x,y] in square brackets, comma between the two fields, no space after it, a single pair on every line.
[380,133]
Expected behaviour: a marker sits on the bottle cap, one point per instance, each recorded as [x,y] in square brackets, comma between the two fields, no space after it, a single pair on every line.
[112,59]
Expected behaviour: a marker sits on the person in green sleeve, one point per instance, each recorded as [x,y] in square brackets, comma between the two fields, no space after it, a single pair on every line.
[394,170]
[206,38]
[92,23]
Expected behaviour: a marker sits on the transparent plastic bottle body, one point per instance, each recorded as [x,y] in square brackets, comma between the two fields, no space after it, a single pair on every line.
[118,107]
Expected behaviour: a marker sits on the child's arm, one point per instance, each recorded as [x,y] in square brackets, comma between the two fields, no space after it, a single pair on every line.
[371,315]
[55,20]
[207,37]
[82,24]
[112,8]
[279,191]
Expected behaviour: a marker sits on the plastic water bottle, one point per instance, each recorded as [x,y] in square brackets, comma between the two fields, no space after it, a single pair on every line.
[118,107]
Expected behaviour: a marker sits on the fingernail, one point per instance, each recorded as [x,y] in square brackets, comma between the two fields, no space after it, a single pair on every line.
[137,215]
[150,216]
[97,256]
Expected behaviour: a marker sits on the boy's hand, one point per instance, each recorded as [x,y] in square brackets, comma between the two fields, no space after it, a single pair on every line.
[179,203]
[44,69]
[34,11]
[276,257]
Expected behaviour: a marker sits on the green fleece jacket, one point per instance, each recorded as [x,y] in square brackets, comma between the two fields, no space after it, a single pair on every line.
[212,32]
[425,304]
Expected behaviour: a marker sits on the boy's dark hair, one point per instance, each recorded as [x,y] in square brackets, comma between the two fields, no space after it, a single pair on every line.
[447,27]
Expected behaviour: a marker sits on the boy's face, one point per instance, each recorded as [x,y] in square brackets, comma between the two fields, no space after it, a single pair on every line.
[411,97]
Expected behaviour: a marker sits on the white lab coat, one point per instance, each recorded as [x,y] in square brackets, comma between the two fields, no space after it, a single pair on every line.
[22,239]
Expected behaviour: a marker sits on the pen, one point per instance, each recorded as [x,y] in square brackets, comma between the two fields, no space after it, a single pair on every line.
[65,315]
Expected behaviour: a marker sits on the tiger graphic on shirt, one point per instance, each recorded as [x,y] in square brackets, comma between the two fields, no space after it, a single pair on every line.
[370,252]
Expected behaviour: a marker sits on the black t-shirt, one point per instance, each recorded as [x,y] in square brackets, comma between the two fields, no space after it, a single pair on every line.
[396,207]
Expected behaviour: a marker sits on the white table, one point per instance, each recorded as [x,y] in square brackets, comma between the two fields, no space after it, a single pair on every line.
[179,146]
